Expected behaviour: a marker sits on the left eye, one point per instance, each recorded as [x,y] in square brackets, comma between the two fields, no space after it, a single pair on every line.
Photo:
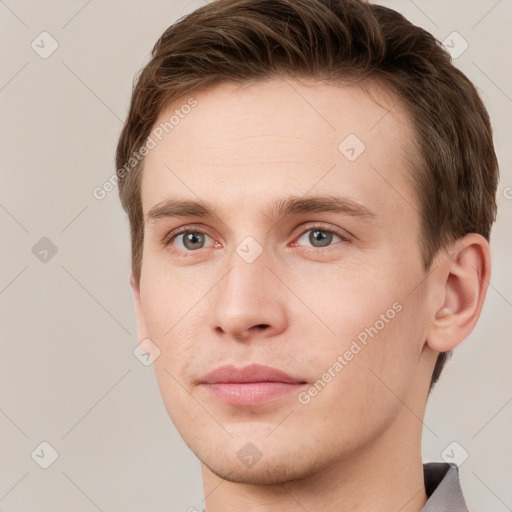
[319,237]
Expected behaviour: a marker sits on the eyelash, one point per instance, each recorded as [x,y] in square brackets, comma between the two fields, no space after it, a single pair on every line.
[170,237]
[320,227]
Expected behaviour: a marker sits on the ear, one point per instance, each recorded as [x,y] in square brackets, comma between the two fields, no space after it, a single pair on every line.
[462,282]
[142,332]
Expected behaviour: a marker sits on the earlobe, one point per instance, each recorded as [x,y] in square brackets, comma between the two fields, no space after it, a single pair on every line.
[463,278]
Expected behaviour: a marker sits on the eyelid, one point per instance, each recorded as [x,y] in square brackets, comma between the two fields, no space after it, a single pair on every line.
[345,237]
[169,237]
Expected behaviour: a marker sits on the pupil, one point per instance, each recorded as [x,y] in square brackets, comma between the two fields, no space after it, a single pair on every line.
[320,238]
[191,239]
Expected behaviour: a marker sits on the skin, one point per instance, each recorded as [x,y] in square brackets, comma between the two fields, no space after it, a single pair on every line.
[356,444]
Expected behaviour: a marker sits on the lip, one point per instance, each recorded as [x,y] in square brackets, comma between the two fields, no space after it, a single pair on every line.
[249,386]
[251,373]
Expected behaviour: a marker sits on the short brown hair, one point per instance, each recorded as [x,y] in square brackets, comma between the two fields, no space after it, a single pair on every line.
[245,41]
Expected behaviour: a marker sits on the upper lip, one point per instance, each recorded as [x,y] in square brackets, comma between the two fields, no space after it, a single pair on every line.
[251,373]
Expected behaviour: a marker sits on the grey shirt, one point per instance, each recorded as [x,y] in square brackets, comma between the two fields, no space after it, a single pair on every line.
[443,488]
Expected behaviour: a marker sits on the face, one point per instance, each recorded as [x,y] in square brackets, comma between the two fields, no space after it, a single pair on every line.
[300,256]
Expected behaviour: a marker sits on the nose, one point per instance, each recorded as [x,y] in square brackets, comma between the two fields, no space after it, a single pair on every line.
[250,301]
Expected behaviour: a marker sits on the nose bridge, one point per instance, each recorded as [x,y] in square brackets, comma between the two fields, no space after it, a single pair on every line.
[248,295]
[249,257]
[248,280]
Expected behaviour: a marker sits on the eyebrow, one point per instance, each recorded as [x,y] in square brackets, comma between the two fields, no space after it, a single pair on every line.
[174,208]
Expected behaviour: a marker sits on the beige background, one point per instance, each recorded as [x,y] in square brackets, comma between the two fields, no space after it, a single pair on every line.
[68,373]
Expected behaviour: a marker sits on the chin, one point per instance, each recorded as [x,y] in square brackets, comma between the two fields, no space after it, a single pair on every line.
[278,463]
[269,472]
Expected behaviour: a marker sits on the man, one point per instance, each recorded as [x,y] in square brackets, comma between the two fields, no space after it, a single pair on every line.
[311,187]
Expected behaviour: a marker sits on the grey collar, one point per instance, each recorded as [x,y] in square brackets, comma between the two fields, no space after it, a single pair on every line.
[443,488]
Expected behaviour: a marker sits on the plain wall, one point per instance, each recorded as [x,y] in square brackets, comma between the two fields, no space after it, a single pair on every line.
[68,375]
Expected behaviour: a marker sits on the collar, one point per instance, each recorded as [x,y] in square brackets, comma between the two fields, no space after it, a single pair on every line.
[443,489]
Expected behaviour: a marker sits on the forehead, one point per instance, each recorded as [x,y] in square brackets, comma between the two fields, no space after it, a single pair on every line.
[278,138]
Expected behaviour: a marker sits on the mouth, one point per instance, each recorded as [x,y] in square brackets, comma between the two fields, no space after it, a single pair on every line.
[249,386]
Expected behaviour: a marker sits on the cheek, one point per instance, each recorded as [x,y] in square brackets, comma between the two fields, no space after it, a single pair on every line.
[375,325]
[371,377]
[382,374]
[169,295]
[346,299]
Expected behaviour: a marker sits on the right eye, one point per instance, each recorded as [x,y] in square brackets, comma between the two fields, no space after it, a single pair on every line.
[188,240]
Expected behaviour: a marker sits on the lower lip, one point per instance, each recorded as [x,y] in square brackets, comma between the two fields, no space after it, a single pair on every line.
[251,393]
